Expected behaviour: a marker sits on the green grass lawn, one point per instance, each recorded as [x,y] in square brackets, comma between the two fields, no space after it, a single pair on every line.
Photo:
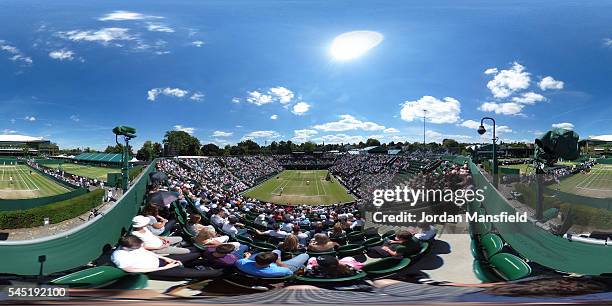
[524,168]
[86,171]
[597,183]
[301,187]
[26,185]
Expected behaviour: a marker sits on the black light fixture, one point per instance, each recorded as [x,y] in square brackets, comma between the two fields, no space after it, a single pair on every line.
[481,130]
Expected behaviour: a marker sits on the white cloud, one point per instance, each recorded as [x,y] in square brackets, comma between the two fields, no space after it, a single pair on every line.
[529,98]
[508,81]
[550,83]
[257,98]
[339,138]
[29,118]
[563,125]
[197,96]
[62,54]
[8,131]
[607,42]
[303,135]
[391,130]
[235,100]
[159,27]
[491,71]
[347,123]
[474,125]
[438,111]
[75,118]
[262,135]
[104,35]
[197,43]
[125,15]
[300,108]
[188,130]
[170,92]
[282,94]
[217,134]
[15,54]
[274,117]
[508,108]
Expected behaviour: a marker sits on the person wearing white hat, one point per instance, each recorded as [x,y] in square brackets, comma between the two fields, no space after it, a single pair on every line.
[154,243]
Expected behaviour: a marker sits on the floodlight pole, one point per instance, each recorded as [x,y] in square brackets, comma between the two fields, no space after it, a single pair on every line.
[495,176]
[128,133]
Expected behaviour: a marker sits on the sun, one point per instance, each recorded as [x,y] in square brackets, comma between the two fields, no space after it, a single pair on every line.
[351,45]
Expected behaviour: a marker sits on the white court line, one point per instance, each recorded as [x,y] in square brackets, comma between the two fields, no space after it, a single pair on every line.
[25,173]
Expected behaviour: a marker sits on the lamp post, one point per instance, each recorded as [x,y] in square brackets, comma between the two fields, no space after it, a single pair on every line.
[128,133]
[481,131]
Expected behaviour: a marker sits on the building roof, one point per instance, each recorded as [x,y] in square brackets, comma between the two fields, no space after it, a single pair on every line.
[99,157]
[20,138]
[601,138]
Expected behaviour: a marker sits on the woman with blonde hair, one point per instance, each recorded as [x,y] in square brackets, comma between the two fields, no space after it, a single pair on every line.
[207,237]
[321,243]
[290,245]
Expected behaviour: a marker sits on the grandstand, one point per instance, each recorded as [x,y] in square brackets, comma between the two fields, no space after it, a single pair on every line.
[15,145]
[216,192]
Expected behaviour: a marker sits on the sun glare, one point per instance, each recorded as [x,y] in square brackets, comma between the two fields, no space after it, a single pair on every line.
[350,45]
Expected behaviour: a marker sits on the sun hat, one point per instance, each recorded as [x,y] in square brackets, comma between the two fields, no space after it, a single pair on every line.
[140,221]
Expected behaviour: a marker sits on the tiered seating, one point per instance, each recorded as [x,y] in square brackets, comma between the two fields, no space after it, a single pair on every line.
[493,259]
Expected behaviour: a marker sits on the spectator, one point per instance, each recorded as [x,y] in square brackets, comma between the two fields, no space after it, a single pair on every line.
[268,264]
[403,246]
[132,257]
[154,243]
[321,243]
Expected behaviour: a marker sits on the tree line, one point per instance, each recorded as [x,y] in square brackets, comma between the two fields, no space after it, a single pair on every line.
[177,143]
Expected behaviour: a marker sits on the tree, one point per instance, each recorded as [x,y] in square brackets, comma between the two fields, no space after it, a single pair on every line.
[450,143]
[211,149]
[149,151]
[308,146]
[248,147]
[371,142]
[118,149]
[181,143]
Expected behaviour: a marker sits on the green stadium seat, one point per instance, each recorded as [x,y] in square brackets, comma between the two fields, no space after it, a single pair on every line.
[483,272]
[424,248]
[96,277]
[386,266]
[330,281]
[247,281]
[315,254]
[130,282]
[243,240]
[475,250]
[371,242]
[261,246]
[510,267]
[492,244]
[350,250]
[388,235]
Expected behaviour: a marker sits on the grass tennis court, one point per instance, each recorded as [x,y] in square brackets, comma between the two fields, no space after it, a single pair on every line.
[16,182]
[301,187]
[85,170]
[597,183]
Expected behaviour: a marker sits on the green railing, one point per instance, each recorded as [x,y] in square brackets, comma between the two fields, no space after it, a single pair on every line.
[537,244]
[78,246]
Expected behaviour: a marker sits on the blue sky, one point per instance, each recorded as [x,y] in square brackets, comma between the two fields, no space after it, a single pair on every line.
[226,71]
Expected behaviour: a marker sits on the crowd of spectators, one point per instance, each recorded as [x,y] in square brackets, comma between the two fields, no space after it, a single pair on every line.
[70,178]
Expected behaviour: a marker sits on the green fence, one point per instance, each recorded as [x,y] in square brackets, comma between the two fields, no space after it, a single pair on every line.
[78,246]
[21,204]
[537,244]
[509,171]
[607,161]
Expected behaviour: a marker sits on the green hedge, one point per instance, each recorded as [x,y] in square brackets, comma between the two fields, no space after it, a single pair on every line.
[21,204]
[57,212]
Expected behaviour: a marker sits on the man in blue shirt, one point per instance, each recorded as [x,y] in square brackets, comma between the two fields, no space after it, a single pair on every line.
[268,264]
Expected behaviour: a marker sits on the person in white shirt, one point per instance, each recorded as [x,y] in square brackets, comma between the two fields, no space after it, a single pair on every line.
[426,231]
[132,257]
[276,232]
[154,243]
[218,217]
